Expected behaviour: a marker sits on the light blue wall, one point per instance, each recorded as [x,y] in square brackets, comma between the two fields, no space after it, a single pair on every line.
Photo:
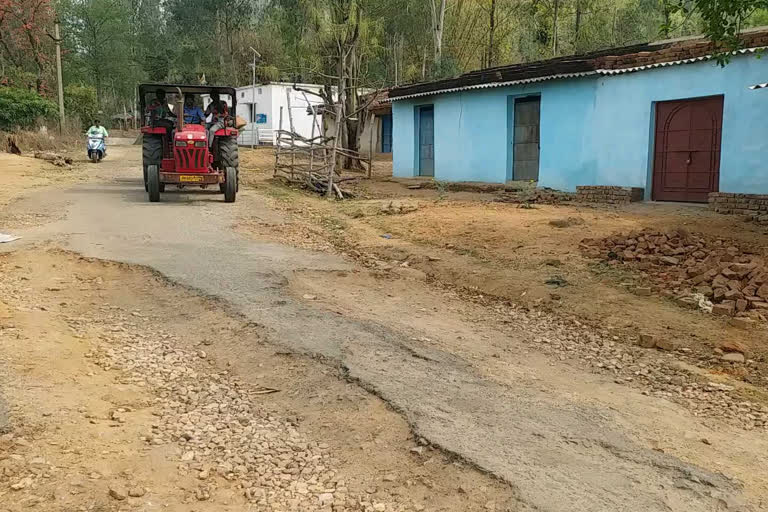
[594,131]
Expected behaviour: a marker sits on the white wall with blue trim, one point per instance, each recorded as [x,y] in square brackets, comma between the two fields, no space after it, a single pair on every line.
[594,131]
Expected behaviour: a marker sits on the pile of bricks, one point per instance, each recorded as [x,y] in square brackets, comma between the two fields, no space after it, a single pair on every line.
[679,265]
[609,195]
[753,207]
[536,195]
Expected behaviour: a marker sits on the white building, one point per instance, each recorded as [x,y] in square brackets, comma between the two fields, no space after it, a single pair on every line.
[264,108]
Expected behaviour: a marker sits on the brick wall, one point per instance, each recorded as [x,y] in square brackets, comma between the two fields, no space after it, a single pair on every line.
[752,206]
[609,195]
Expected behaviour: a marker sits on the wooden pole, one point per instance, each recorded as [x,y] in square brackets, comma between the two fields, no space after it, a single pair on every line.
[372,149]
[60,84]
[312,143]
[332,170]
[293,137]
[277,142]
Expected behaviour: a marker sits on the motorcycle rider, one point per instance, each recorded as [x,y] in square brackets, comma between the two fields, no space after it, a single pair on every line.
[96,130]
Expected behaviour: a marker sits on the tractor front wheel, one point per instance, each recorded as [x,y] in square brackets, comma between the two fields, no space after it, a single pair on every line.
[230,185]
[229,156]
[152,154]
[153,183]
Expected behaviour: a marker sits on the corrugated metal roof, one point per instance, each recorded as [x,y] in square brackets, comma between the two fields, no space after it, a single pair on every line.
[560,76]
[495,84]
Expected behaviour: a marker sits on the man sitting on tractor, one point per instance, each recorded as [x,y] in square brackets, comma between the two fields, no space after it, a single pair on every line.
[192,113]
[219,112]
[160,114]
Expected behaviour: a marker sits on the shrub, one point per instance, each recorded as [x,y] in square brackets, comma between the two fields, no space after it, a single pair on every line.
[20,108]
[80,103]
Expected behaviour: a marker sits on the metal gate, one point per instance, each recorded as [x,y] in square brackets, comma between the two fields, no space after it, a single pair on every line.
[386,133]
[426,141]
[525,139]
[686,164]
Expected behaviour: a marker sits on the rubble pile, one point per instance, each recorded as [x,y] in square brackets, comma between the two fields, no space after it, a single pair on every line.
[713,275]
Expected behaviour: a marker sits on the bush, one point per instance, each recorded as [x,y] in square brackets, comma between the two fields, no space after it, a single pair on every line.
[80,103]
[20,108]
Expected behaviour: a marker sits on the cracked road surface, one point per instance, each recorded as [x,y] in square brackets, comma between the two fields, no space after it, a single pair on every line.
[558,451]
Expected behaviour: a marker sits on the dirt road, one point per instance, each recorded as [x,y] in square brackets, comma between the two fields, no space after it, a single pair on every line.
[558,437]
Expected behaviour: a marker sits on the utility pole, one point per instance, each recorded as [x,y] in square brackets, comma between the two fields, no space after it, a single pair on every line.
[57,39]
[253,99]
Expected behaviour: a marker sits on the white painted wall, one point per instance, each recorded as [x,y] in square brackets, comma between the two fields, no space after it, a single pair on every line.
[269,99]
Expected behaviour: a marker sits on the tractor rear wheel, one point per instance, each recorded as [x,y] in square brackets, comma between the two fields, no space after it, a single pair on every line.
[229,157]
[230,186]
[153,183]
[152,154]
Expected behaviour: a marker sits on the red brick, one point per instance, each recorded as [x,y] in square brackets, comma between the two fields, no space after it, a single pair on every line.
[725,308]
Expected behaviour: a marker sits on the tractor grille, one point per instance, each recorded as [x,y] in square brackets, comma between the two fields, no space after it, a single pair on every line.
[191,158]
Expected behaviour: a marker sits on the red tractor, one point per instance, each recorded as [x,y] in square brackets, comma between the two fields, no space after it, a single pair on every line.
[178,153]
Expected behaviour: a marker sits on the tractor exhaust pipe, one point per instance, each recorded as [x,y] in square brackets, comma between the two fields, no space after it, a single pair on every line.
[180,109]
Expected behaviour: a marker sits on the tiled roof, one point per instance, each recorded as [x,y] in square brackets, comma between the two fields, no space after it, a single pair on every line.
[604,62]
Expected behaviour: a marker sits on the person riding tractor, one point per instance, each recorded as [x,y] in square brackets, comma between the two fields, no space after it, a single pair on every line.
[179,148]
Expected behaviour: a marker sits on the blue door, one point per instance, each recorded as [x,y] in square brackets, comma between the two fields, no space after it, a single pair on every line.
[386,133]
[426,141]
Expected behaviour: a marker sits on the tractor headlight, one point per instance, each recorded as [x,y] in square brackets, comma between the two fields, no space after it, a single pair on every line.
[181,143]
[200,144]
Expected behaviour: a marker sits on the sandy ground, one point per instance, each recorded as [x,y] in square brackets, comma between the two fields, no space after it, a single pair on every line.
[471,241]
[65,389]
[356,372]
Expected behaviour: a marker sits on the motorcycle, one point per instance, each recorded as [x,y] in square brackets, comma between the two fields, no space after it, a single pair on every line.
[97,148]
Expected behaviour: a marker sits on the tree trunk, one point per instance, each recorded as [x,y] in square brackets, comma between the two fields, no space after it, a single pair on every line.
[491,33]
[554,28]
[438,21]
[577,27]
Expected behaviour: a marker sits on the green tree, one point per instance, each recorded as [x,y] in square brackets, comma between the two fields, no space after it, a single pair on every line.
[80,102]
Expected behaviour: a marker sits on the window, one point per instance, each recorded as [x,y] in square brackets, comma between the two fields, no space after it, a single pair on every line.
[242,95]
[259,90]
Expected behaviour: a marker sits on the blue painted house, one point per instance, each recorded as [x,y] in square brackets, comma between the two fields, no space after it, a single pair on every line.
[661,116]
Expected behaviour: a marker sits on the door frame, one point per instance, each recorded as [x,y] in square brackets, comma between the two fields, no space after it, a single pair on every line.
[417,139]
[651,172]
[382,131]
[511,99]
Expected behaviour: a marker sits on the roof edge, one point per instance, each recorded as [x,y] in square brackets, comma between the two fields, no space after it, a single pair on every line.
[561,76]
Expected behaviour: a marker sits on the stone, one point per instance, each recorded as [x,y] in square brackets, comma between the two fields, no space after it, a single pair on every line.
[642,291]
[733,357]
[188,456]
[22,484]
[118,491]
[669,260]
[647,341]
[137,492]
[741,305]
[308,296]
[733,295]
[725,308]
[718,295]
[325,499]
[742,322]
[706,291]
[665,344]
[762,292]
[687,302]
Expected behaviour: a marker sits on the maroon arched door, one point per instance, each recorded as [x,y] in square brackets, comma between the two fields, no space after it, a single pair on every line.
[686,164]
